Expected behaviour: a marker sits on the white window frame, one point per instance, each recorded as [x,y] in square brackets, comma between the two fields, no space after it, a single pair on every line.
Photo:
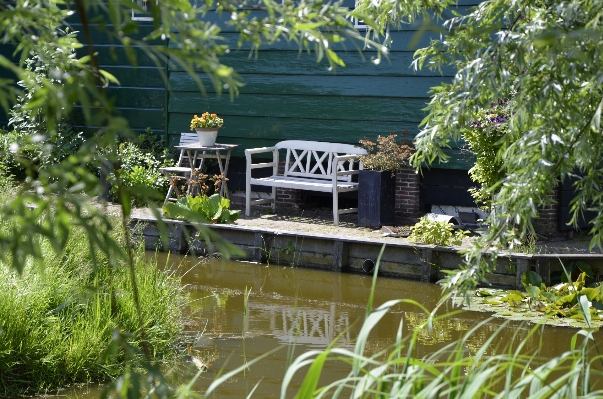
[357,23]
[137,16]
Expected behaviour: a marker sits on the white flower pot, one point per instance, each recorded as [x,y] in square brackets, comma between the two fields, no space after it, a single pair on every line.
[207,136]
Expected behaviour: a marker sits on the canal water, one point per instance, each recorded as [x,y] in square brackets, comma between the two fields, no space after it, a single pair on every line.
[292,310]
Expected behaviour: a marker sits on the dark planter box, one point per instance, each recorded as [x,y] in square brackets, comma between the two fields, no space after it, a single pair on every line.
[376,198]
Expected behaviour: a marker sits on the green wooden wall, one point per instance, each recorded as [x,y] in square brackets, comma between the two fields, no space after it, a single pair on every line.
[287,95]
[141,95]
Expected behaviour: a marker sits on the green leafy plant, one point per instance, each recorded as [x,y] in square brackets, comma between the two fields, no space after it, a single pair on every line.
[33,145]
[214,209]
[59,316]
[576,267]
[387,154]
[546,51]
[434,232]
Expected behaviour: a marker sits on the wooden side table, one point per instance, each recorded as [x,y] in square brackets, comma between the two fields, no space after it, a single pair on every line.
[198,153]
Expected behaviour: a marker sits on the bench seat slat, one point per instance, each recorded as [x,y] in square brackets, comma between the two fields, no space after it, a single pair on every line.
[302,184]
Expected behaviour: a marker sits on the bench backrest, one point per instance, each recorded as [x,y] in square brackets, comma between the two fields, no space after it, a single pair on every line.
[314,159]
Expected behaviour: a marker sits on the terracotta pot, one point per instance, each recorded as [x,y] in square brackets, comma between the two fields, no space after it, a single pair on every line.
[207,136]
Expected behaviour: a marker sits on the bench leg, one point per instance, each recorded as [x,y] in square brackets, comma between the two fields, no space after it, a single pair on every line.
[336,208]
[274,199]
[247,197]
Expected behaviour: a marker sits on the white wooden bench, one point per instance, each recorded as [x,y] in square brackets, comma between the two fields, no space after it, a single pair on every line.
[309,165]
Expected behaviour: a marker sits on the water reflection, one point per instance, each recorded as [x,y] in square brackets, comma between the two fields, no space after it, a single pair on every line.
[307,309]
[315,327]
[300,309]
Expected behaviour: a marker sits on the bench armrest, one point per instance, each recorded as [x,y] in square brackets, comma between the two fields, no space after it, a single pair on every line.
[259,150]
[250,165]
[343,158]
[336,173]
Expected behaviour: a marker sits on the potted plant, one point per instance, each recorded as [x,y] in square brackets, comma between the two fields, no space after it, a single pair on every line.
[377,179]
[207,126]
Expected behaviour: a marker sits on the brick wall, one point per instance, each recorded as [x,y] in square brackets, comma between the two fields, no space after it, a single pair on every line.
[548,216]
[407,196]
[287,197]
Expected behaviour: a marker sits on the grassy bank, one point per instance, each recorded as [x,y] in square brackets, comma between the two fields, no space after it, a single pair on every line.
[57,319]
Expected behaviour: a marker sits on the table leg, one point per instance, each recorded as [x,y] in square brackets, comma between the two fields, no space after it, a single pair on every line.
[192,157]
[226,194]
[223,184]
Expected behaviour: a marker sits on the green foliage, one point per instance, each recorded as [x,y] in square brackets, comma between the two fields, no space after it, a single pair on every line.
[387,154]
[9,162]
[58,317]
[546,56]
[34,144]
[434,232]
[574,269]
[560,303]
[213,209]
[139,171]
[31,146]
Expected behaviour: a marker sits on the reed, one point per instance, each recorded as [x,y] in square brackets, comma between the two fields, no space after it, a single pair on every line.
[450,372]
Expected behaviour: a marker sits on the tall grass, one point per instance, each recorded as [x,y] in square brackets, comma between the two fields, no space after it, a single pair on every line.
[57,319]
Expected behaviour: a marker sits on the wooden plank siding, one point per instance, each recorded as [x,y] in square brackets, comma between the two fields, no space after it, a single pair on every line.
[141,95]
[288,95]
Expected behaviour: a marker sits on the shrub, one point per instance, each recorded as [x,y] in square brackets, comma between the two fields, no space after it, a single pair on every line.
[387,154]
[437,233]
[140,169]
[483,138]
[34,144]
